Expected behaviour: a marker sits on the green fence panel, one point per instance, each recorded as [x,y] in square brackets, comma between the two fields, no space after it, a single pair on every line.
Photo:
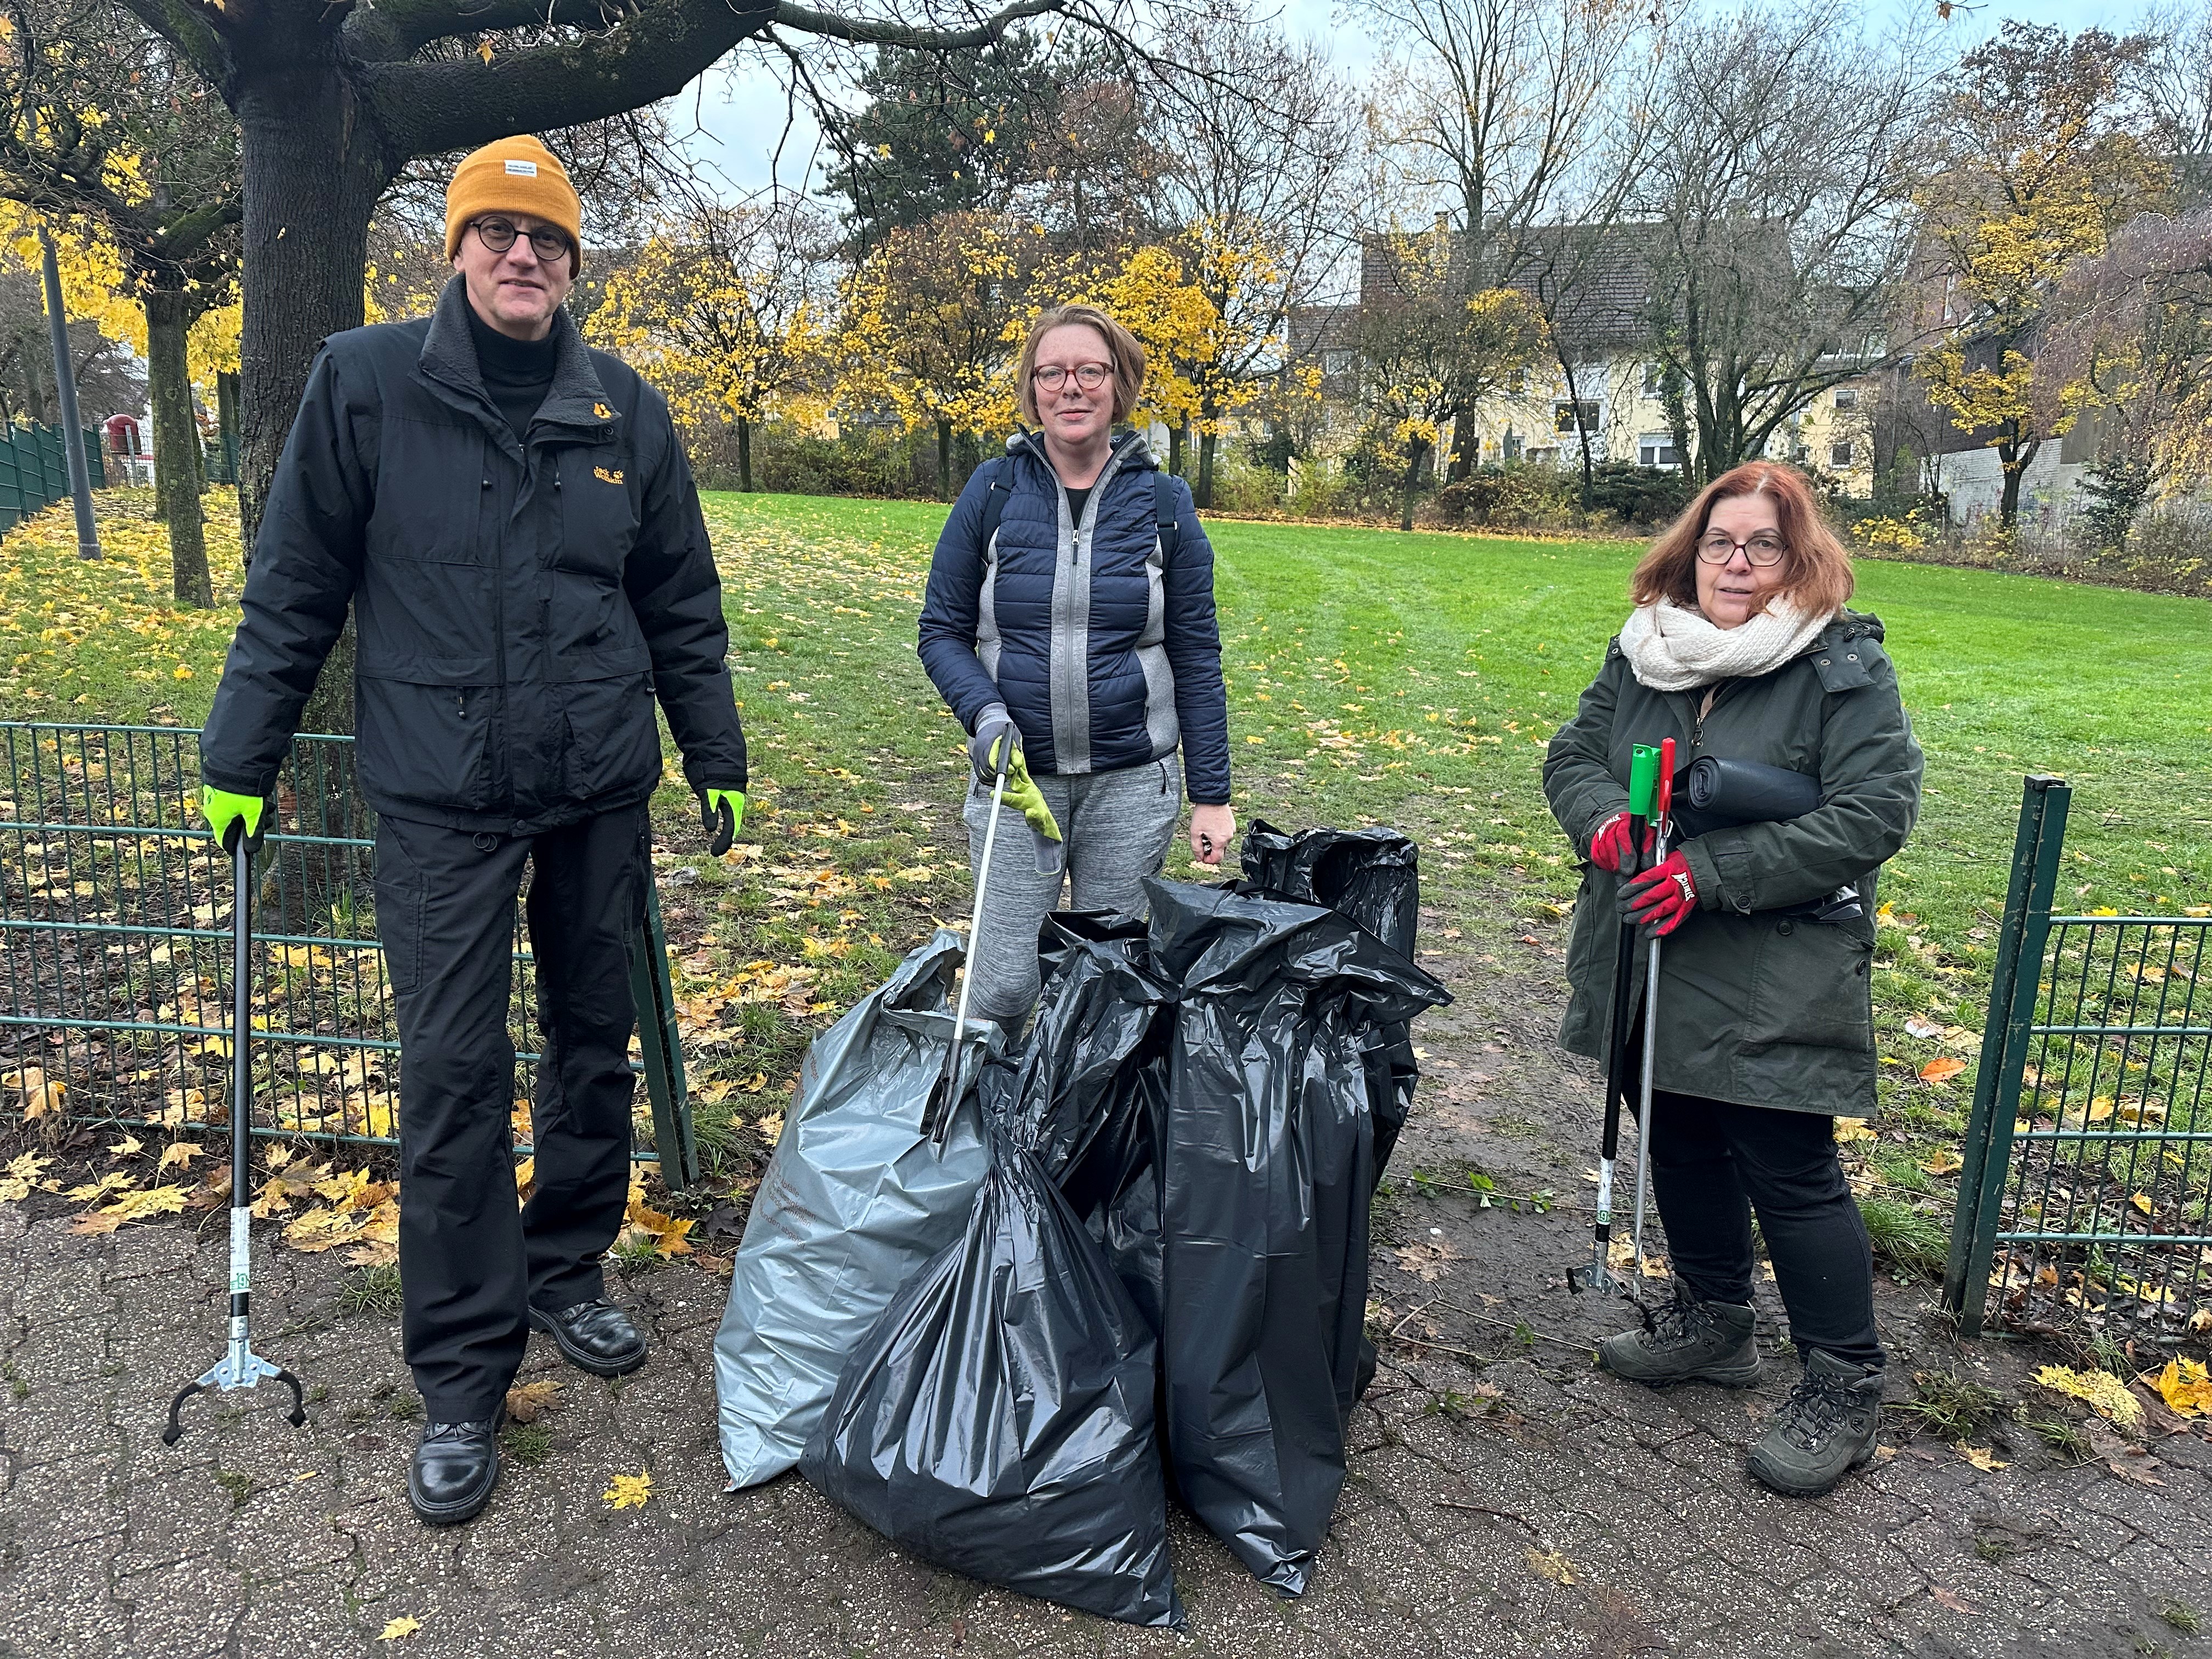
[53,465]
[2085,1196]
[115,950]
[13,509]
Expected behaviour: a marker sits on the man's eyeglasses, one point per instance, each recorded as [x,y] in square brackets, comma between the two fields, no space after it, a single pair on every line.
[1050,377]
[1764,549]
[499,234]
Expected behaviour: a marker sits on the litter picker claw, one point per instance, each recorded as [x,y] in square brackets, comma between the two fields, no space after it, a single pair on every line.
[1663,821]
[1599,1275]
[239,1366]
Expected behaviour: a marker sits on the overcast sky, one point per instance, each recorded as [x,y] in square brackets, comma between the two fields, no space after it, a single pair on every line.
[740,108]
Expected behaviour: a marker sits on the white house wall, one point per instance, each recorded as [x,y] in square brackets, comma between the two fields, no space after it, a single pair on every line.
[1972,481]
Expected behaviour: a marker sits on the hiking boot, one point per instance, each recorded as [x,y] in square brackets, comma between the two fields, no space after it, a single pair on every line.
[455,1469]
[594,1336]
[1690,1341]
[1824,1430]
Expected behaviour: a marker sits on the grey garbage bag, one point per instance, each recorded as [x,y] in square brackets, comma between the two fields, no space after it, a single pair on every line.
[853,1200]
[1267,1174]
[998,1421]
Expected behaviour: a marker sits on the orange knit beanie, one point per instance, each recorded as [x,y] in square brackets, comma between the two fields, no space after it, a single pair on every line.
[514,175]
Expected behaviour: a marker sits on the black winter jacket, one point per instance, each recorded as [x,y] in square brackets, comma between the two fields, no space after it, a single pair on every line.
[1106,652]
[517,606]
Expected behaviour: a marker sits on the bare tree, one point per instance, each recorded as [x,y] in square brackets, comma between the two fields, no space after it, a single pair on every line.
[1260,140]
[1777,189]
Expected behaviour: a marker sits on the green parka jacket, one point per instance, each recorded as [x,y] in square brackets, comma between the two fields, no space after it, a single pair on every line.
[1754,1007]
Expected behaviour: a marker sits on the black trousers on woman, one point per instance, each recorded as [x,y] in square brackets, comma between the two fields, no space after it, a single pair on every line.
[1713,1163]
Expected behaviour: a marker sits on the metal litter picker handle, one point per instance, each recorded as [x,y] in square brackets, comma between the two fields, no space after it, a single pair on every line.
[239,1366]
[1662,818]
[945,1092]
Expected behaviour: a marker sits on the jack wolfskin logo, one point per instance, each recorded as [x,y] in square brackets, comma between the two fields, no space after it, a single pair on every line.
[602,411]
[614,476]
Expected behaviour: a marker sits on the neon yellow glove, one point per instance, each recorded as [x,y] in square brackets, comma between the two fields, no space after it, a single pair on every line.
[722,811]
[221,809]
[1023,794]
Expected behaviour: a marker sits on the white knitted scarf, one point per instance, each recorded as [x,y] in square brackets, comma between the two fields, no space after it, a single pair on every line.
[1672,647]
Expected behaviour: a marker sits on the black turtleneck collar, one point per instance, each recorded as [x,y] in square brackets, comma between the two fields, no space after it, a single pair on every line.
[517,374]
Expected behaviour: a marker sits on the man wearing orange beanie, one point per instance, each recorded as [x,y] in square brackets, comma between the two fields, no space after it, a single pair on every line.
[512,521]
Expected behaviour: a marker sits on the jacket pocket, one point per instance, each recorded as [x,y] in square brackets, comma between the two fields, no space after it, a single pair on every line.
[613,741]
[432,494]
[599,497]
[425,742]
[1811,984]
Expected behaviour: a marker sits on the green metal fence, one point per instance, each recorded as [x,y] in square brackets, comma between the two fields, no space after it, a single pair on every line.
[2085,1200]
[115,950]
[34,469]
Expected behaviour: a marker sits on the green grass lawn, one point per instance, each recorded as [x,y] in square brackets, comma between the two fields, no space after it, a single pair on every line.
[1374,677]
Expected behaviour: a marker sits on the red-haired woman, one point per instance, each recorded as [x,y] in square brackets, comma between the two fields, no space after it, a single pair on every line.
[1739,646]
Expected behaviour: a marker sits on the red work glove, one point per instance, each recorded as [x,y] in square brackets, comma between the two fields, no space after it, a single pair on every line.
[1658,899]
[1609,847]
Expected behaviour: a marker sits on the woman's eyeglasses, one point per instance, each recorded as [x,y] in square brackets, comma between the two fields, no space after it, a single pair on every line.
[1763,548]
[498,235]
[1050,377]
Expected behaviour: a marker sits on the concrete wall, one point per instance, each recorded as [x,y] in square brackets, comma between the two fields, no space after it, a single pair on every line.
[1973,480]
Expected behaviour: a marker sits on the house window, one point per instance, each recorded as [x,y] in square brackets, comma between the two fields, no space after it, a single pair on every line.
[1566,416]
[1517,381]
[1336,362]
[1655,378]
[1840,454]
[1656,449]
[1847,399]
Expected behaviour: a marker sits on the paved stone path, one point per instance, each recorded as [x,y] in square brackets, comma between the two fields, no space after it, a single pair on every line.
[1504,1499]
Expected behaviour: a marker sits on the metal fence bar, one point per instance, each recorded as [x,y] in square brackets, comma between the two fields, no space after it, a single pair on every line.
[2036,846]
[114,958]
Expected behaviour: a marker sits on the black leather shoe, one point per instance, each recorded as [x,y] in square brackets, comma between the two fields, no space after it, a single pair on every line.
[456,1465]
[593,1336]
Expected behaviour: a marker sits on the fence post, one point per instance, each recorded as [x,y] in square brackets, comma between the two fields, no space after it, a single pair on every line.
[2014,985]
[660,1048]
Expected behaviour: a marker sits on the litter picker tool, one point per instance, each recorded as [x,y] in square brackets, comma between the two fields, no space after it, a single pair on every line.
[938,1113]
[1599,1275]
[1663,821]
[239,1366]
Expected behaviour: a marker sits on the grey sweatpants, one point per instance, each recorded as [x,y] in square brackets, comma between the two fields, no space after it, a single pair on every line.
[1117,825]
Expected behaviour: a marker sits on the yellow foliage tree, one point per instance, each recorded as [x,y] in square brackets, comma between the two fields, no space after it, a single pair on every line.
[2040,168]
[931,322]
[719,311]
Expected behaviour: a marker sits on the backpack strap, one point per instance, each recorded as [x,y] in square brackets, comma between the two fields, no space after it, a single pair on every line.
[1164,514]
[994,503]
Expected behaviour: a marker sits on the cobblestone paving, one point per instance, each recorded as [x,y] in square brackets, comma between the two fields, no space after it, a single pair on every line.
[1504,1499]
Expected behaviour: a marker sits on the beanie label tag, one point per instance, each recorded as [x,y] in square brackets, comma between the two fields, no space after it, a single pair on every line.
[523,169]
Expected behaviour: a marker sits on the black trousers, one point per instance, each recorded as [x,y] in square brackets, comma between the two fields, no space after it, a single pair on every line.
[471,1261]
[1713,1163]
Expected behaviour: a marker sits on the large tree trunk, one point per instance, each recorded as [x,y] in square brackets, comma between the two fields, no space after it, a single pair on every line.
[745,455]
[1464,443]
[2014,459]
[1175,449]
[176,479]
[1203,496]
[311,180]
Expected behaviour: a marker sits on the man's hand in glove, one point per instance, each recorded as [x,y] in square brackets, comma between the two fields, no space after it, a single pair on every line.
[1658,899]
[993,728]
[1609,847]
[223,809]
[721,813]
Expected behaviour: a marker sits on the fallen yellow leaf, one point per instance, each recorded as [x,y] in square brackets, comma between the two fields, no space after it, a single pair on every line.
[2186,1387]
[1983,1458]
[1552,1565]
[178,1154]
[2103,1393]
[399,1630]
[2141,1201]
[528,1401]
[1943,1068]
[1853,1128]
[629,1492]
[126,1146]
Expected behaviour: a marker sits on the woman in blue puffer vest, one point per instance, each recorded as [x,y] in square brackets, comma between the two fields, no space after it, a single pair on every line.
[1070,611]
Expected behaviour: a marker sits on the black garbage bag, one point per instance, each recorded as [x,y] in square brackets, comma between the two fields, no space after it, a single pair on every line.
[1267,1172]
[999,1420]
[1091,1084]
[1374,877]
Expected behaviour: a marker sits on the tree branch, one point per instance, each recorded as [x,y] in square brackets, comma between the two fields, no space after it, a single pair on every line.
[427,108]
[185,25]
[396,29]
[867,32]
